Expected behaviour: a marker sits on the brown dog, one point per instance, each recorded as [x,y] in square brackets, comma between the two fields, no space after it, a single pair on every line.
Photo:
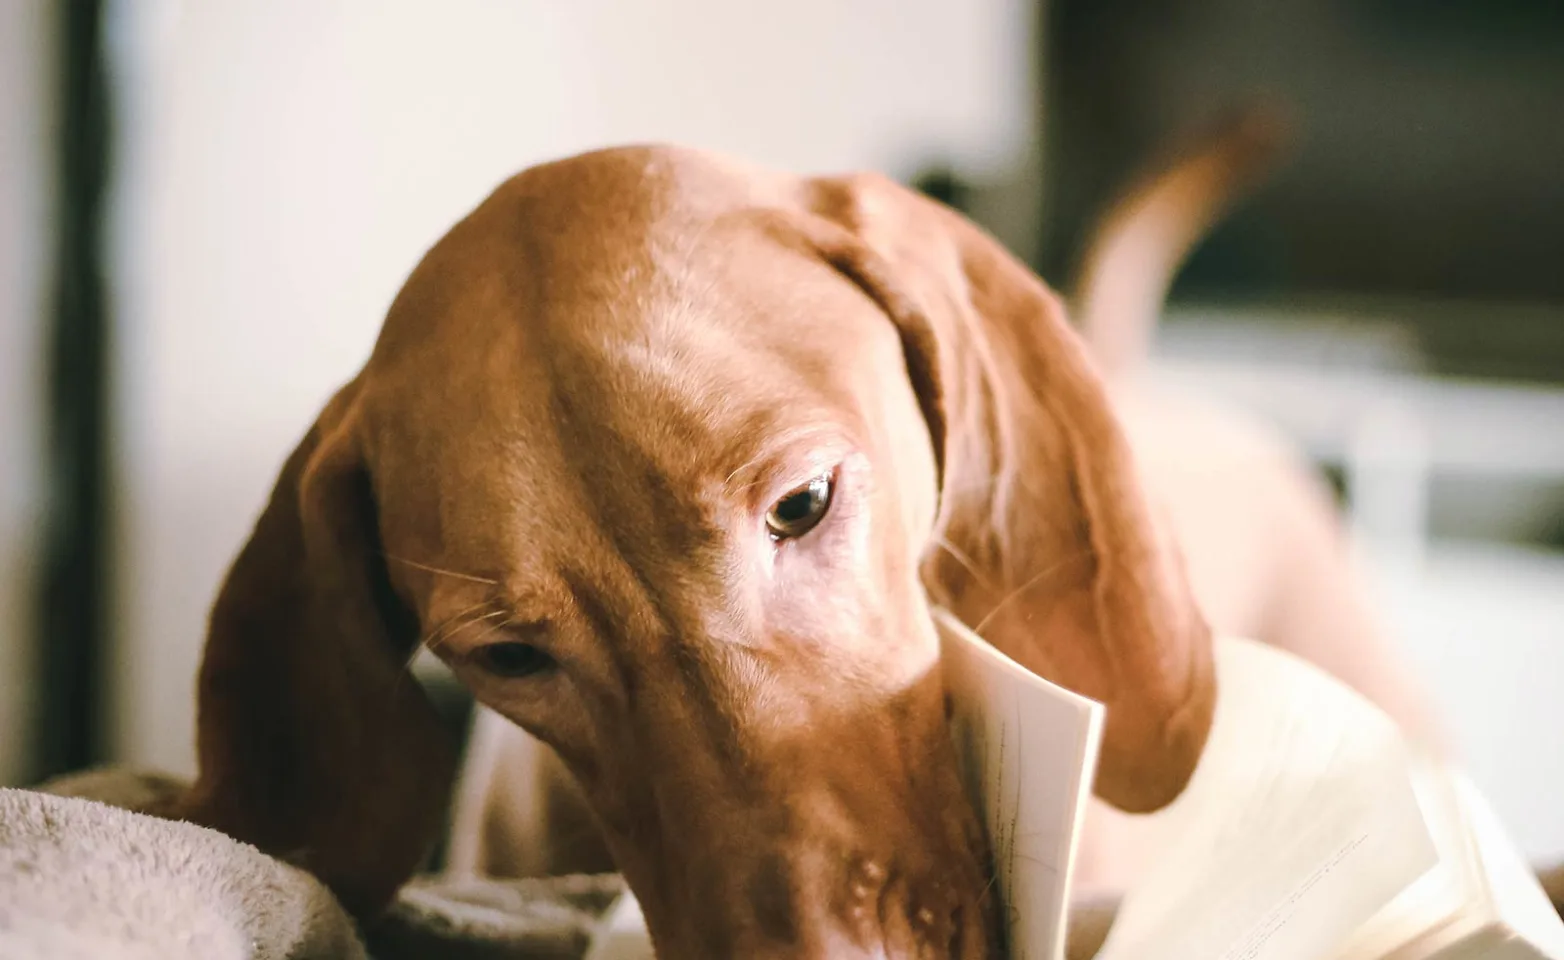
[1265,550]
[665,457]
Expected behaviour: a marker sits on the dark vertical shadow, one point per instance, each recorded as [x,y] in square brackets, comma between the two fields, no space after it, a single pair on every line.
[74,589]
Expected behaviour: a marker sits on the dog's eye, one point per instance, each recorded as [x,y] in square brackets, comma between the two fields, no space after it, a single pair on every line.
[797,513]
[514,659]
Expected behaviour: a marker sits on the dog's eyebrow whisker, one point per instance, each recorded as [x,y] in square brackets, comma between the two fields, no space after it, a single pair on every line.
[496,627]
[1031,582]
[442,571]
[771,447]
[448,628]
[453,620]
[447,636]
[745,487]
[728,480]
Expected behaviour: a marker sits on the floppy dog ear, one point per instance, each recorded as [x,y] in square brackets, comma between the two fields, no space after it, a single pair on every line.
[314,742]
[1043,543]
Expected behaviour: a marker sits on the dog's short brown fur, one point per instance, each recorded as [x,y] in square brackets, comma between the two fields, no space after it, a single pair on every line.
[581,407]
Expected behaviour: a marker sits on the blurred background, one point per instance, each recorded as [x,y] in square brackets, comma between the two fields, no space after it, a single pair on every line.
[205,209]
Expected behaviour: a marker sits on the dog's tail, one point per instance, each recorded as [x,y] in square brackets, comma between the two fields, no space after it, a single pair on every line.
[1143,240]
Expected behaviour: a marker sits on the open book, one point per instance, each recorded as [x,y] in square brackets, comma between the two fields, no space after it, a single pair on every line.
[1310,830]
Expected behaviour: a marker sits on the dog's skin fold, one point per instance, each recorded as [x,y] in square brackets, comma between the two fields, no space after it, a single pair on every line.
[556,471]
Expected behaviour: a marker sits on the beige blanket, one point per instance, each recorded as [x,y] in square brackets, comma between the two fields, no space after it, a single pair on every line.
[81,879]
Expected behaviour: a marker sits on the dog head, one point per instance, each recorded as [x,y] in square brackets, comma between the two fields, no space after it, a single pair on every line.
[665,457]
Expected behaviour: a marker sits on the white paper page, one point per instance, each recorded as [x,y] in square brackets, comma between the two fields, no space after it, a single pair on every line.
[1428,911]
[1028,750]
[1515,897]
[1299,824]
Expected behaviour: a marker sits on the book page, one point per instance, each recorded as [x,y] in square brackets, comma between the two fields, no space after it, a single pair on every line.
[1028,751]
[1429,912]
[1504,914]
[1300,823]
[1515,901]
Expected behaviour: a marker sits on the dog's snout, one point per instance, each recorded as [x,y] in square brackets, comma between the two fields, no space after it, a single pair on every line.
[872,905]
[895,916]
[778,844]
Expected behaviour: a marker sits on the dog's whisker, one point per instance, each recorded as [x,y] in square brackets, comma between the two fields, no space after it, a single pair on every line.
[442,571]
[430,639]
[1031,582]
[773,443]
[447,636]
[993,878]
[443,631]
[728,481]
[441,634]
[961,558]
[509,621]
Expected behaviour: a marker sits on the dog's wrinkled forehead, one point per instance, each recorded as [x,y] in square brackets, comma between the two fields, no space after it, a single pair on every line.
[599,229]
[629,255]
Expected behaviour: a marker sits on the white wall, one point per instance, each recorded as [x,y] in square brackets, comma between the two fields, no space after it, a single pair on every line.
[25,42]
[287,163]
